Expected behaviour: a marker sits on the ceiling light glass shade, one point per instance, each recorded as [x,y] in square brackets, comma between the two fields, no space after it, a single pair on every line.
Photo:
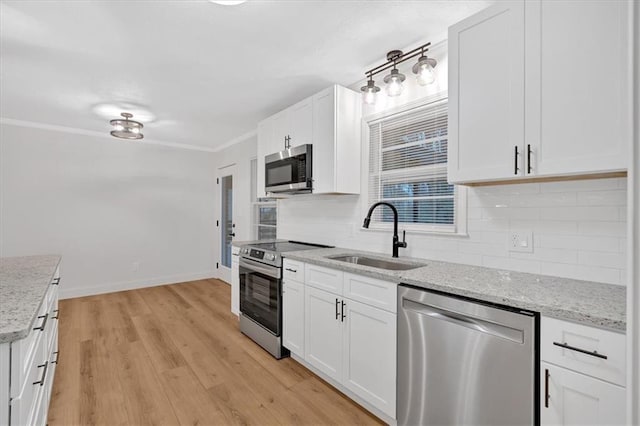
[124,128]
[394,82]
[369,92]
[228,2]
[424,70]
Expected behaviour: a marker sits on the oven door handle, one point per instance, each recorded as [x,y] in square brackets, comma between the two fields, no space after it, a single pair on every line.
[252,265]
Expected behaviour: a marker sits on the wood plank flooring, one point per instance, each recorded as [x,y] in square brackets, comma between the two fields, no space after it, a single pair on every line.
[174,355]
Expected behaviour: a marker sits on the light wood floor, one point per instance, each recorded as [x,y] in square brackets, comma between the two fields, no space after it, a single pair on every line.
[174,355]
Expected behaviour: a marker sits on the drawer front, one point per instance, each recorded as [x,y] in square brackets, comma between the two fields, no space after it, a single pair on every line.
[371,291]
[324,278]
[293,270]
[562,341]
[28,351]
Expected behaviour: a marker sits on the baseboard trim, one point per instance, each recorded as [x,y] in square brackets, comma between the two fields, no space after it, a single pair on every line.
[70,293]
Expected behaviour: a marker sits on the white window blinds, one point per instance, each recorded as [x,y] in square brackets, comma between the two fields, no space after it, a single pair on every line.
[408,168]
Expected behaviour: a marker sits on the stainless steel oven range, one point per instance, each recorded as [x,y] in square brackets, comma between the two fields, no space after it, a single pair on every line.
[260,269]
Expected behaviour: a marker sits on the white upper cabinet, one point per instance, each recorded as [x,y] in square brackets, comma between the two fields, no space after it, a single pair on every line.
[577,91]
[539,89]
[330,121]
[486,93]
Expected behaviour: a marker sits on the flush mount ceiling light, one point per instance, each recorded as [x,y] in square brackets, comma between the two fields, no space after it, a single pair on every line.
[423,68]
[228,2]
[124,128]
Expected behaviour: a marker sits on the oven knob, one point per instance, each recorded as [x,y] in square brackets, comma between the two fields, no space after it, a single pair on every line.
[270,256]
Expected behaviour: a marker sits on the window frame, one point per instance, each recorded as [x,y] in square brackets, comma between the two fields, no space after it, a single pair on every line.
[459,227]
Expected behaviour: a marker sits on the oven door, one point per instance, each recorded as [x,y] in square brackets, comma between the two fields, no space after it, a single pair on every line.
[260,289]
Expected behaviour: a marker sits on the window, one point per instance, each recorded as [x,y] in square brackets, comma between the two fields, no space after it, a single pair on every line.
[265,211]
[408,168]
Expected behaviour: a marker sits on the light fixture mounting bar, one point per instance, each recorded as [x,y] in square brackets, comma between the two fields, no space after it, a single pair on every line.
[398,60]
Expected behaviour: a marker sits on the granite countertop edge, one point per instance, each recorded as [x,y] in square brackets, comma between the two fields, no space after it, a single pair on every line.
[560,298]
[34,290]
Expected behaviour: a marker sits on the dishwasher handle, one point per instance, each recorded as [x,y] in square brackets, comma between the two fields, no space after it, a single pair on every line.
[473,323]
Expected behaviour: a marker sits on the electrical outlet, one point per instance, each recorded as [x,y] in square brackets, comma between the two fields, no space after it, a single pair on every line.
[521,241]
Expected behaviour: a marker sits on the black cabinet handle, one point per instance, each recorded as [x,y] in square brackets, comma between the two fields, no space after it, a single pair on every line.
[573,348]
[529,159]
[233,234]
[546,388]
[44,373]
[57,311]
[515,165]
[342,311]
[291,270]
[44,322]
[56,281]
[57,353]
[337,313]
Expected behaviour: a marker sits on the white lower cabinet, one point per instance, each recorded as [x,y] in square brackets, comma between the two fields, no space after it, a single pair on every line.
[292,315]
[582,373]
[369,354]
[323,332]
[334,321]
[576,399]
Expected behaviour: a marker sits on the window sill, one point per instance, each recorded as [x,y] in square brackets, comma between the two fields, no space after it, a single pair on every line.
[414,231]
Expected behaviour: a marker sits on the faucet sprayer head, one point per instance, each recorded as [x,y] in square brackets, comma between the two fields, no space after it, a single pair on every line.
[367,220]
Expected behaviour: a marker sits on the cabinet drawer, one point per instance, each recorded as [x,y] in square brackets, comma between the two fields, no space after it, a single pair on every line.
[599,343]
[324,278]
[293,270]
[24,401]
[371,291]
[28,351]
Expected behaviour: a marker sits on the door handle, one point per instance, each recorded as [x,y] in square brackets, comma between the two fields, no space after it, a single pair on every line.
[337,313]
[515,165]
[233,234]
[529,168]
[546,388]
[342,311]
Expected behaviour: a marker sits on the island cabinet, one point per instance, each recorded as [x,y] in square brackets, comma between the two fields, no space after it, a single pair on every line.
[343,326]
[330,122]
[30,363]
[582,375]
[522,105]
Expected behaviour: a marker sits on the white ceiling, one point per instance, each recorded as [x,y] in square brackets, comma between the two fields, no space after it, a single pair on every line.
[207,72]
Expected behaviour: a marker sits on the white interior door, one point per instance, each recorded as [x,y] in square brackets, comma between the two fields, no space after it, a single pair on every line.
[226,226]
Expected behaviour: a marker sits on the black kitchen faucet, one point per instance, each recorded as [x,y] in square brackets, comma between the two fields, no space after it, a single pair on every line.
[396,241]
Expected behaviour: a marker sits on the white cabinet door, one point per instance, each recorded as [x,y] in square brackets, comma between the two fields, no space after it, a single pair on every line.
[578,92]
[323,332]
[301,123]
[575,399]
[281,130]
[293,317]
[369,357]
[486,94]
[324,138]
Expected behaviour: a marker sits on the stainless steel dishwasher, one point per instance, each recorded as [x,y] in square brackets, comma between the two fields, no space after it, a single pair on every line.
[465,363]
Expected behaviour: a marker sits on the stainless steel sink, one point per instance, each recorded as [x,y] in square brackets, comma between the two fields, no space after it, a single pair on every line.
[377,263]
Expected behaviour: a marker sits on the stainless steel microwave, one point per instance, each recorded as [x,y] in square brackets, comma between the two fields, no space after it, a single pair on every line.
[289,171]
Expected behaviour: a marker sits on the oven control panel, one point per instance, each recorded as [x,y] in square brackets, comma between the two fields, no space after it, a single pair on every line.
[256,254]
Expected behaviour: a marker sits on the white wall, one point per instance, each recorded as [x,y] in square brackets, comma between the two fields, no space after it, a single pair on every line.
[579,227]
[105,204]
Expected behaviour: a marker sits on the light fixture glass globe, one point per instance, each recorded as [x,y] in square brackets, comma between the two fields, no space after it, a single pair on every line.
[369,92]
[394,82]
[425,74]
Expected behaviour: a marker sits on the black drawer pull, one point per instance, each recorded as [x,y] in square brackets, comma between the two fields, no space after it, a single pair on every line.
[529,168]
[57,353]
[57,311]
[291,270]
[56,281]
[342,309]
[573,348]
[44,322]
[515,166]
[44,373]
[337,313]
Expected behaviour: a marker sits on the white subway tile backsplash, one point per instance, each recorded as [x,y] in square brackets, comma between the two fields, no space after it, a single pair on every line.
[578,227]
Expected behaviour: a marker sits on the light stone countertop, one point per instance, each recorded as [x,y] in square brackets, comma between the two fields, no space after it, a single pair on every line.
[23,284]
[584,302]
